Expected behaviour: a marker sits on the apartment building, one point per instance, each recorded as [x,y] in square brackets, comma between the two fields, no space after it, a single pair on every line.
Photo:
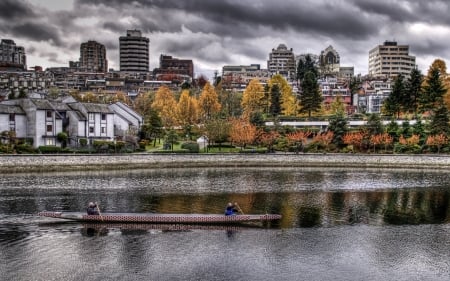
[171,68]
[390,60]
[93,57]
[282,61]
[134,52]
[12,57]
[238,76]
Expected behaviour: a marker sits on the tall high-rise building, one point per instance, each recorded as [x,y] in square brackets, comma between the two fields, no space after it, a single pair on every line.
[282,61]
[11,55]
[134,52]
[93,57]
[390,60]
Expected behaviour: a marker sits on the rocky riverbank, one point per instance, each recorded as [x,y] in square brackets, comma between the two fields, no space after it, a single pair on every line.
[47,163]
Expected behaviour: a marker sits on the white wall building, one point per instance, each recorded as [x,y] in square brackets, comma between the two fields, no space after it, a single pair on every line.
[390,60]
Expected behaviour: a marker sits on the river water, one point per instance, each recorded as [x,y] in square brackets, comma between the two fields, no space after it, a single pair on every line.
[345,224]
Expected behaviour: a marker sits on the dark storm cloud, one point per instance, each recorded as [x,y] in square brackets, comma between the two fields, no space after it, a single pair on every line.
[240,18]
[38,32]
[14,10]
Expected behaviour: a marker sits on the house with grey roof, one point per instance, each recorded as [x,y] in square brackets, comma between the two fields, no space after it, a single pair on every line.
[126,120]
[42,120]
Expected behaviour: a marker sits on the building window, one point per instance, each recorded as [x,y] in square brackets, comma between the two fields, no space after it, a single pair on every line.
[103,116]
[12,117]
[49,141]
[103,130]
[91,117]
[49,114]
[91,130]
[49,128]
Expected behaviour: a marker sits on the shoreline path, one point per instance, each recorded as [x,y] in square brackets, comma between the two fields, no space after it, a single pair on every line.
[76,162]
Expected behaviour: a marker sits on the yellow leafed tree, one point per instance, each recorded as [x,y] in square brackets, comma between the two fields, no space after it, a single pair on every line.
[187,109]
[165,104]
[208,102]
[288,99]
[143,103]
[253,98]
[242,132]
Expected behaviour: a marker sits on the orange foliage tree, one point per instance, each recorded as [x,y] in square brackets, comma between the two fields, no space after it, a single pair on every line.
[268,139]
[354,139]
[242,132]
[298,138]
[381,139]
[437,140]
[323,140]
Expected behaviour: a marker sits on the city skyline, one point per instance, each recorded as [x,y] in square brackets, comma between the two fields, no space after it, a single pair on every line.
[214,34]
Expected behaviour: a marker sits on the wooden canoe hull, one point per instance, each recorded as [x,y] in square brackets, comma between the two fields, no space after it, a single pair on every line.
[160,218]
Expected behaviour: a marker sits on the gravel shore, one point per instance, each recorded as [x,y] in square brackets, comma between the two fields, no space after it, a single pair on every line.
[75,162]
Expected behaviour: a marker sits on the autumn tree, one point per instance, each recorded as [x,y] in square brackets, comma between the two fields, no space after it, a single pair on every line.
[253,98]
[217,130]
[208,102]
[121,97]
[90,97]
[288,101]
[165,104]
[322,140]
[310,97]
[187,111]
[143,103]
[437,140]
[268,139]
[298,138]
[354,139]
[242,132]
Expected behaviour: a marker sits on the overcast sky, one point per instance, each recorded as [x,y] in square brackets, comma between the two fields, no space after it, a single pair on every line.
[214,33]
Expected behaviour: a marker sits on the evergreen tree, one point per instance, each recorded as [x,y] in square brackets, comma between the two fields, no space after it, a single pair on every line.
[393,104]
[418,128]
[433,91]
[374,125]
[439,121]
[413,90]
[275,101]
[393,129]
[338,125]
[306,66]
[310,98]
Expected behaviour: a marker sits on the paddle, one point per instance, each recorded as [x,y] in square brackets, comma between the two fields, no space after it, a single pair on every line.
[99,213]
[239,208]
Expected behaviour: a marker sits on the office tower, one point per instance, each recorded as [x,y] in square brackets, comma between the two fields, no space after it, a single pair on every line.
[134,52]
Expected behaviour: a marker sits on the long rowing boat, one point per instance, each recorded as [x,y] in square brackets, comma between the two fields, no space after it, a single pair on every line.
[160,218]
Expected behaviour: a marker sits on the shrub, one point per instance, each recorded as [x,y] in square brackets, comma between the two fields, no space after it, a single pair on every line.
[83,142]
[25,148]
[191,147]
[48,149]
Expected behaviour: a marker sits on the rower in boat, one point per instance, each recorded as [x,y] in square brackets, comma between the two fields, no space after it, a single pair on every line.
[230,210]
[92,209]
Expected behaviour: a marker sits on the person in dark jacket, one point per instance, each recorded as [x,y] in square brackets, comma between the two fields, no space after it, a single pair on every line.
[230,210]
[92,209]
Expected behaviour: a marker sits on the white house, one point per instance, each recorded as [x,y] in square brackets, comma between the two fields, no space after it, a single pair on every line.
[126,120]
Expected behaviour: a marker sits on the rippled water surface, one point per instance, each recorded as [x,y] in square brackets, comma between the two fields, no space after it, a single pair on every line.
[336,225]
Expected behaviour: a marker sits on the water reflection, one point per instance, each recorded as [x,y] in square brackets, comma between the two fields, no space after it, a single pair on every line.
[336,225]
